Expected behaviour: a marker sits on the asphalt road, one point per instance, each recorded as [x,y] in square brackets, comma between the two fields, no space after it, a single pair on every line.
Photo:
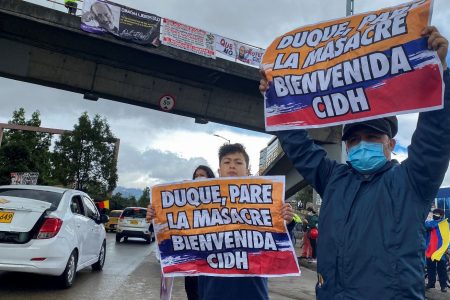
[121,261]
[131,272]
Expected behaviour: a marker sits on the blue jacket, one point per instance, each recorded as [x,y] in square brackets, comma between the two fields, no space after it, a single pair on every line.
[371,243]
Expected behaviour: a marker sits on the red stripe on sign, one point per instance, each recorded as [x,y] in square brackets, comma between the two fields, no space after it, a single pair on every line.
[268,262]
[407,92]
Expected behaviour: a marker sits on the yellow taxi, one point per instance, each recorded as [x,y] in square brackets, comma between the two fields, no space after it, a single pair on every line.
[114,215]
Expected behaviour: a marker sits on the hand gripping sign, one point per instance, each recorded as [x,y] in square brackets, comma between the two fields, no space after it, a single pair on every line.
[223,227]
[357,68]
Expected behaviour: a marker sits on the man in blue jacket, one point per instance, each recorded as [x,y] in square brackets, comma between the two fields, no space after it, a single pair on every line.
[371,243]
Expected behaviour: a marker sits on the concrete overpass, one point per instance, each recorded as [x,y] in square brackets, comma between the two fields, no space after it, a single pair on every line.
[47,47]
[277,163]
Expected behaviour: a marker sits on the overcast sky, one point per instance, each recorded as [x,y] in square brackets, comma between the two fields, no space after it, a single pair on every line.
[159,147]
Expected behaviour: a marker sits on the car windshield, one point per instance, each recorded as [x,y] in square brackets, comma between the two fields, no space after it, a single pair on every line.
[51,197]
[134,213]
[115,214]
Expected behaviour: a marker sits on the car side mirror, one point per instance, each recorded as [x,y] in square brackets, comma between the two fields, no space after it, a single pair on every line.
[103,219]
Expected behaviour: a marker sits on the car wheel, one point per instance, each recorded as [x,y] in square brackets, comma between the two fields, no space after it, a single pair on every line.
[125,239]
[118,238]
[68,276]
[98,266]
[148,240]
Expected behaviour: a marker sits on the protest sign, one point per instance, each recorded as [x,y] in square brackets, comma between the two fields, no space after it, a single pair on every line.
[225,46]
[248,54]
[223,227]
[187,38]
[124,22]
[357,68]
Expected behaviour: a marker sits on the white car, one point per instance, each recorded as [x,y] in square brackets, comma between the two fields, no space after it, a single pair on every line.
[49,230]
[132,223]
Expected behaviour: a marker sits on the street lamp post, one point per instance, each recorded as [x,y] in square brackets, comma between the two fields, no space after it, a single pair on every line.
[350,8]
[219,136]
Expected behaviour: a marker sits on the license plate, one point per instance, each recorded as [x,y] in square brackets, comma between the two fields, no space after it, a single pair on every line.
[134,222]
[6,217]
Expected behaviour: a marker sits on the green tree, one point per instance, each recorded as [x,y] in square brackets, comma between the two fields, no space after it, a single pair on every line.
[144,200]
[84,158]
[118,201]
[25,151]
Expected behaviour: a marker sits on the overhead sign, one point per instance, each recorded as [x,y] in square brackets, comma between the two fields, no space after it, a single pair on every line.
[167,102]
[356,68]
[223,227]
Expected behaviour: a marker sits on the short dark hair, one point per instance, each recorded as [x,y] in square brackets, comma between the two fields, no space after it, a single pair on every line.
[209,172]
[311,210]
[439,211]
[233,148]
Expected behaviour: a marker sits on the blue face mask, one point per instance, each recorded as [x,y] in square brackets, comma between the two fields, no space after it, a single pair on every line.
[367,157]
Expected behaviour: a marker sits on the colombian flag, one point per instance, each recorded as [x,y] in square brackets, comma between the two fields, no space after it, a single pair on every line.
[103,204]
[438,240]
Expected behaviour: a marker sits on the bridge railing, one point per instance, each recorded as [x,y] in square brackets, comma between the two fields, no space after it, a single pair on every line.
[53,4]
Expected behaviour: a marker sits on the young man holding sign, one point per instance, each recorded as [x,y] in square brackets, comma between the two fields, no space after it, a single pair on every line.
[234,162]
[371,223]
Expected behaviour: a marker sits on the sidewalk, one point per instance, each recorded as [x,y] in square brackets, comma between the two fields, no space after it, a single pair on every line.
[144,283]
[432,294]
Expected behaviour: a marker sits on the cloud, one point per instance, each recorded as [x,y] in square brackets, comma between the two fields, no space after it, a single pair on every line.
[159,147]
[140,169]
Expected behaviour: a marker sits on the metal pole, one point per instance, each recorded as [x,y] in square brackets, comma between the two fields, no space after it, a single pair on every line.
[1,135]
[350,8]
[229,142]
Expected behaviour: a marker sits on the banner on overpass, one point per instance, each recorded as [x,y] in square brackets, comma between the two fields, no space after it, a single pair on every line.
[124,22]
[223,227]
[357,68]
[187,38]
[248,54]
[225,47]
[237,51]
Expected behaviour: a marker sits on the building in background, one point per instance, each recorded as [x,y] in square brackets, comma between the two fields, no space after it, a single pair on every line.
[269,154]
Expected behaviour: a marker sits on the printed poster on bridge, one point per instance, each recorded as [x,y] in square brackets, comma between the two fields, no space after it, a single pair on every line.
[124,22]
[223,227]
[187,38]
[352,69]
[237,51]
